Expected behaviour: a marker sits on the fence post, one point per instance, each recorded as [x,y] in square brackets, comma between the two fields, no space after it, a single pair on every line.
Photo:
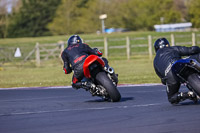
[193,39]
[172,40]
[150,46]
[128,47]
[62,46]
[106,47]
[37,54]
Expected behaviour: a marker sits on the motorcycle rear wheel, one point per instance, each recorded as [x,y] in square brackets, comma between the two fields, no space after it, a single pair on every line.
[103,80]
[194,82]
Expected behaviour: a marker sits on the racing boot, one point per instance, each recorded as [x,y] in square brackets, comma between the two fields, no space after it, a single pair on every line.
[175,99]
[88,85]
[189,95]
[181,96]
[178,97]
[85,85]
[77,85]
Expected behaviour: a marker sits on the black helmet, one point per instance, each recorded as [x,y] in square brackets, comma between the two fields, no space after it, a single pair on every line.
[75,39]
[161,43]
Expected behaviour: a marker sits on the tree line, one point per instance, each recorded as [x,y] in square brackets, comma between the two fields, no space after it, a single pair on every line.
[30,18]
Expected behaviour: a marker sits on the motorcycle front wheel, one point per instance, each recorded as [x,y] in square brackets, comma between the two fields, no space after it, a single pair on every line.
[104,80]
[194,82]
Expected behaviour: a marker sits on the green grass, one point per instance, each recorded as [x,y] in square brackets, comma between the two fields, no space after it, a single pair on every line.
[139,69]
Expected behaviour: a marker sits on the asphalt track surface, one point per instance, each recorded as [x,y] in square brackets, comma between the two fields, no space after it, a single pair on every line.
[142,109]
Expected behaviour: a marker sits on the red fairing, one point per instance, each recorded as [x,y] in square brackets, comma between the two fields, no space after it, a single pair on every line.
[88,61]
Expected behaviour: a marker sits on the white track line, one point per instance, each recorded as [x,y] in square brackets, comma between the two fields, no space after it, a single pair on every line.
[134,85]
[81,109]
[35,88]
[62,87]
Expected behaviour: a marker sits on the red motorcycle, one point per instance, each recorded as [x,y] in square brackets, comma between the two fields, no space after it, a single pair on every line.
[104,80]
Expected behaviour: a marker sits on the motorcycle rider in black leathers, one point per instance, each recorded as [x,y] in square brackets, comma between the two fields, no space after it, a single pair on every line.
[73,58]
[165,57]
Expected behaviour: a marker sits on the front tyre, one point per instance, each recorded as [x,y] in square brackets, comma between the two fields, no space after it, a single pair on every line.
[103,80]
[194,82]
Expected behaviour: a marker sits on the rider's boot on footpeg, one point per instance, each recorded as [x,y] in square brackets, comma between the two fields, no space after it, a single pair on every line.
[181,96]
[178,97]
[77,85]
[88,85]
[84,85]
[189,95]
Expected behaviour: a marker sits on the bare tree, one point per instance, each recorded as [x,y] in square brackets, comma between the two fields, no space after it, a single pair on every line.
[3,7]
[3,18]
[181,6]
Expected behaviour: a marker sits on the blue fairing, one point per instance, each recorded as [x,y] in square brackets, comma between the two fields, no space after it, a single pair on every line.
[179,64]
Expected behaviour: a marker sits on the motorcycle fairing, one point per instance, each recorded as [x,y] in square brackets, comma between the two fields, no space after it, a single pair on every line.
[180,64]
[88,61]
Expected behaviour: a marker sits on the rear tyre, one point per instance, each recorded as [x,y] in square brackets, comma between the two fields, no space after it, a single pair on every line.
[103,80]
[194,82]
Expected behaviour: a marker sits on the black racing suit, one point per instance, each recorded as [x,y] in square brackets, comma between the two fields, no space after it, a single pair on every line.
[163,61]
[73,58]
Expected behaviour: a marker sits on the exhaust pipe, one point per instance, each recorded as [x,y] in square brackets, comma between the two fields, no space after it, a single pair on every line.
[195,64]
[110,70]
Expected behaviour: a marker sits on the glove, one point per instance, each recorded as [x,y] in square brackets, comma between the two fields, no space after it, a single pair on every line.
[98,52]
[67,70]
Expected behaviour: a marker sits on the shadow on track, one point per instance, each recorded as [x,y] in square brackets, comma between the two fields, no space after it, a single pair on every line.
[188,103]
[123,99]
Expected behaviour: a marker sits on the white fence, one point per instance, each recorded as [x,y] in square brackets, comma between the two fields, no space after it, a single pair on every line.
[129,43]
[46,51]
[126,46]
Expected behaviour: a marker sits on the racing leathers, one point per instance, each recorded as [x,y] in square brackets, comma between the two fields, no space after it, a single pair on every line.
[163,61]
[73,58]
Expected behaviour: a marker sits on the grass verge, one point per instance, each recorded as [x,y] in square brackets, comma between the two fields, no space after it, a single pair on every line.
[137,70]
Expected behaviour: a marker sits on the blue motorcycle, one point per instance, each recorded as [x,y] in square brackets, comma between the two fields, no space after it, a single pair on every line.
[187,72]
